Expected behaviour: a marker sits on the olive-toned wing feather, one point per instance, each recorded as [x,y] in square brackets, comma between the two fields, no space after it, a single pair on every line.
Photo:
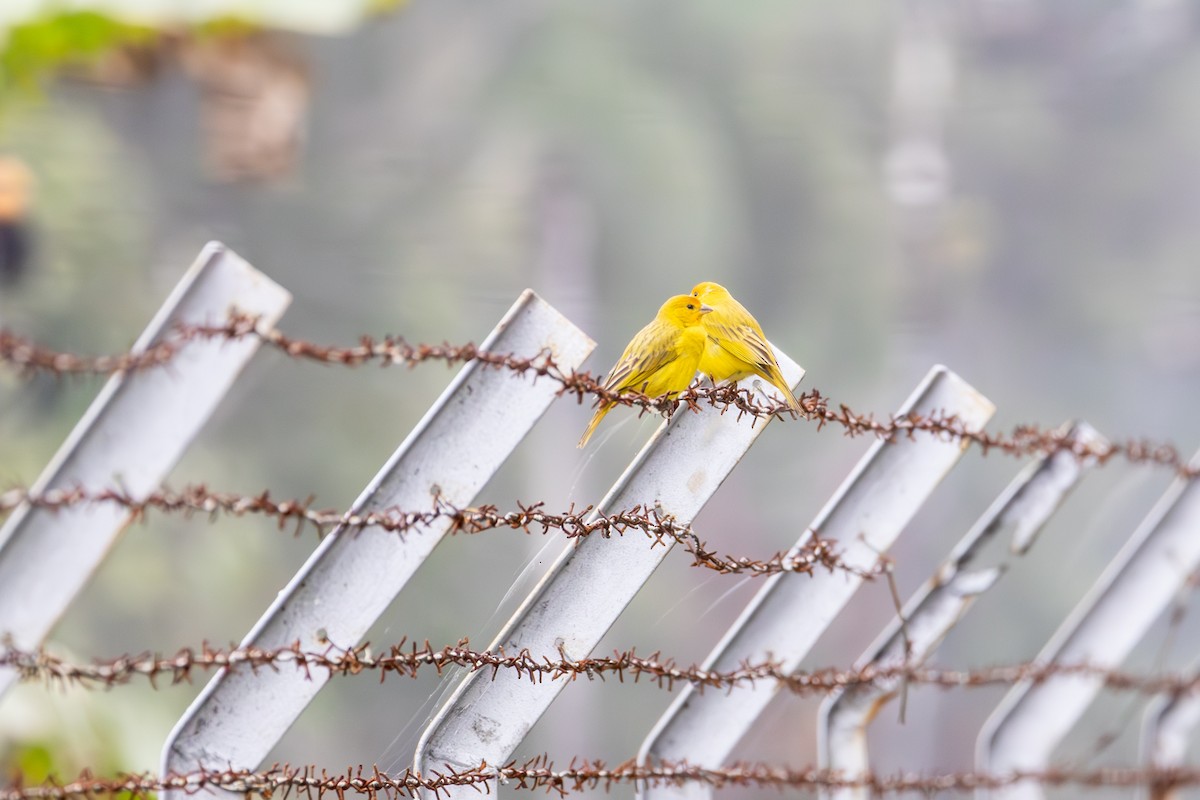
[744,343]
[651,350]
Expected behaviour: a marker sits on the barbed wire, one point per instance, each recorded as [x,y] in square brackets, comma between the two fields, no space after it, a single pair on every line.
[406,659]
[313,783]
[28,356]
[1023,440]
[660,528]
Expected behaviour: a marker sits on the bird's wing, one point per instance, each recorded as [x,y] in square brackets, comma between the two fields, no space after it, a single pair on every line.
[743,341]
[651,350]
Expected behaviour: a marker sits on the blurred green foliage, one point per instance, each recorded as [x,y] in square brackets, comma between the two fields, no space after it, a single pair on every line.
[38,47]
[56,738]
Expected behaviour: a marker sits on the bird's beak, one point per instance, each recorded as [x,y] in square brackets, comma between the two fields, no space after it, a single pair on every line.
[705,309]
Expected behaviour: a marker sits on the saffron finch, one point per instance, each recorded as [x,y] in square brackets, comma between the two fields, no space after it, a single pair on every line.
[737,347]
[663,357]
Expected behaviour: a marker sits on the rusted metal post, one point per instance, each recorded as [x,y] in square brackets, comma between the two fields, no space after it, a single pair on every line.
[1022,510]
[1138,584]
[865,517]
[131,436]
[587,588]
[353,575]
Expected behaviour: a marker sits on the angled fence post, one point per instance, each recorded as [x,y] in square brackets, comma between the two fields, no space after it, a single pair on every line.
[587,588]
[1137,585]
[354,574]
[1167,729]
[865,516]
[131,436]
[1023,508]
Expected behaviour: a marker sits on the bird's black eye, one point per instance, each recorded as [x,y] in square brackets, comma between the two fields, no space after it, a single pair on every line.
[691,307]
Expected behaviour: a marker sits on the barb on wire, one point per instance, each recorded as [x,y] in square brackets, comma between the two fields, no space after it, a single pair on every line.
[1023,440]
[529,518]
[313,783]
[406,659]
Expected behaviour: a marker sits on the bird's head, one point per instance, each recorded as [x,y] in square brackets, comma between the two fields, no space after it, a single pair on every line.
[684,310]
[709,292]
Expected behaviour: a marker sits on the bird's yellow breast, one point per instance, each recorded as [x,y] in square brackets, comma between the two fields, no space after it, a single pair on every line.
[677,375]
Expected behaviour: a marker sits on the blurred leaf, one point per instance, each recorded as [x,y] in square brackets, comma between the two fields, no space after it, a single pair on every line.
[226,26]
[34,763]
[40,46]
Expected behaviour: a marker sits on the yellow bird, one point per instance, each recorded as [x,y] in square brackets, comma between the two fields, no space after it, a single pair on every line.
[663,357]
[737,347]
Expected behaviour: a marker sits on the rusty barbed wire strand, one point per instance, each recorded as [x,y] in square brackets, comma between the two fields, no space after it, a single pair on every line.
[659,527]
[1023,440]
[540,773]
[407,658]
[28,356]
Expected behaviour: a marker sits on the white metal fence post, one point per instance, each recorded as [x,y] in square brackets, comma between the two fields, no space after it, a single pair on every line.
[587,588]
[1168,725]
[1137,585]
[354,574]
[1022,509]
[131,435]
[865,516]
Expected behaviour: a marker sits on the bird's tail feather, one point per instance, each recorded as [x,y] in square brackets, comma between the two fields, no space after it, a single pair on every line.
[591,428]
[780,383]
